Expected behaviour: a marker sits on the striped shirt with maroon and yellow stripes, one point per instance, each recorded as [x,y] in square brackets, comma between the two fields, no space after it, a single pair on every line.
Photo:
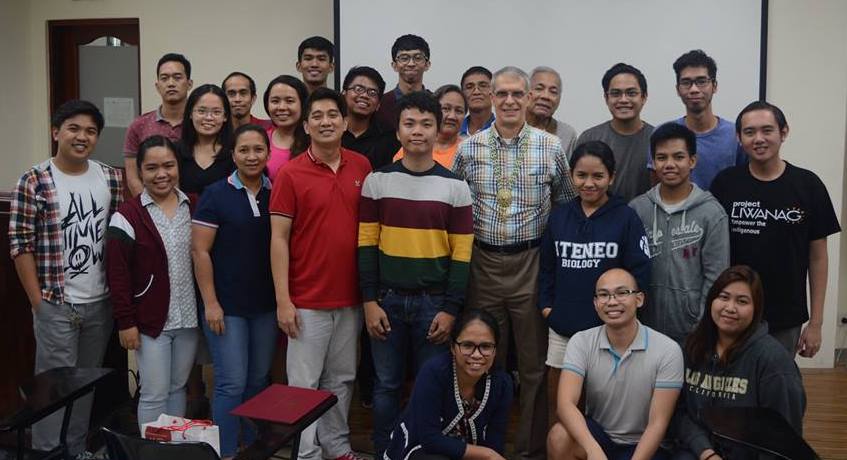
[415,232]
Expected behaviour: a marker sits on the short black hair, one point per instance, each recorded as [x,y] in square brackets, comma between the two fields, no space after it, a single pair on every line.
[367,72]
[475,314]
[326,93]
[243,75]
[673,130]
[598,149]
[423,101]
[76,107]
[781,121]
[156,140]
[695,58]
[316,43]
[409,42]
[175,57]
[620,68]
[477,69]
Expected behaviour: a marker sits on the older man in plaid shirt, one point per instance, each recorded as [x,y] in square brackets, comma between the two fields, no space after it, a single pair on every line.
[59,214]
[515,173]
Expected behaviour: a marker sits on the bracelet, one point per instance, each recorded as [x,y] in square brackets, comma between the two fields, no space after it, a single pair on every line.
[711,455]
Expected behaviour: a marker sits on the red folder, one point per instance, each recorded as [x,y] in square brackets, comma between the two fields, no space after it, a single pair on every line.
[282,404]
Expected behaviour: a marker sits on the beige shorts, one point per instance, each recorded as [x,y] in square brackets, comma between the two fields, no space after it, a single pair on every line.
[556,346]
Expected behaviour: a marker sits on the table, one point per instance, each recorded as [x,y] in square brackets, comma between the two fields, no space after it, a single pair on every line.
[276,428]
[759,429]
[44,394]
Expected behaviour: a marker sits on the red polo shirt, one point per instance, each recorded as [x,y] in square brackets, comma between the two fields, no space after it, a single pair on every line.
[149,124]
[324,208]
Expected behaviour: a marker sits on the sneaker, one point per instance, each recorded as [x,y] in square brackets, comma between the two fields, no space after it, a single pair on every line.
[350,456]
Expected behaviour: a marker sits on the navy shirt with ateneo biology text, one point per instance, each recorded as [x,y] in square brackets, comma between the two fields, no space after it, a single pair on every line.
[576,250]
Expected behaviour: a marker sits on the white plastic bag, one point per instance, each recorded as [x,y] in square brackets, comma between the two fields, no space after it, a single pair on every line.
[178,429]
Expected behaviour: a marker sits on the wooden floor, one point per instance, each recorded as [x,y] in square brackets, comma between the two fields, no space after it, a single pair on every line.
[824,426]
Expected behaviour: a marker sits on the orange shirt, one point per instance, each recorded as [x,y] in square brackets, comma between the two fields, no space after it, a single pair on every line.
[442,157]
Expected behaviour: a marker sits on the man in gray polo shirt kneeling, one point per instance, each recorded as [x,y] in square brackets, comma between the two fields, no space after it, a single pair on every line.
[631,374]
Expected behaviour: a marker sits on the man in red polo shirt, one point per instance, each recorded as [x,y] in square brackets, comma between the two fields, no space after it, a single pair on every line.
[314,223]
[173,81]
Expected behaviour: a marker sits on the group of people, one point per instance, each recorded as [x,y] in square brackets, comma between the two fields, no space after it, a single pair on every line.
[468,230]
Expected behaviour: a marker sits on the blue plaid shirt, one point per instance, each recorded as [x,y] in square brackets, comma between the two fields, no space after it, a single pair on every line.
[543,178]
[34,225]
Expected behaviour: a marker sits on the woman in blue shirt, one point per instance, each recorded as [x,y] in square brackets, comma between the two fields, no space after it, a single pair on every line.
[458,409]
[231,249]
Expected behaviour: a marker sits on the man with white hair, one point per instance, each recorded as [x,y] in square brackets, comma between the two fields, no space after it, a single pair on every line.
[545,94]
[515,173]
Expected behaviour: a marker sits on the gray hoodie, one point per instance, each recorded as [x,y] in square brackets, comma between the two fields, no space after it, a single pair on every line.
[689,249]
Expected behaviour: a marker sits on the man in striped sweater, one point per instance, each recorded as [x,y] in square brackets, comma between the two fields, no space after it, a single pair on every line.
[415,238]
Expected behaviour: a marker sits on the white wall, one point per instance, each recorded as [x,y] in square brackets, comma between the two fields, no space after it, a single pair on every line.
[16,111]
[202,30]
[807,78]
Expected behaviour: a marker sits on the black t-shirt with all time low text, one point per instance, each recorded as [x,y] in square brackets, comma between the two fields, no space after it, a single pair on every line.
[771,224]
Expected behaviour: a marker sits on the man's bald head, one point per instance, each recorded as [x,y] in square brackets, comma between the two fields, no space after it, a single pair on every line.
[615,278]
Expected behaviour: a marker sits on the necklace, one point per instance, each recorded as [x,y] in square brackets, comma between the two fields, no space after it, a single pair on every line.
[505,184]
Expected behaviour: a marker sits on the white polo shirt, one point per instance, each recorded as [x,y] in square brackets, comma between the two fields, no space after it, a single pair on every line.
[619,388]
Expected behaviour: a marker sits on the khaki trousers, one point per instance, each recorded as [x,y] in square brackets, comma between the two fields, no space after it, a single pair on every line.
[506,285]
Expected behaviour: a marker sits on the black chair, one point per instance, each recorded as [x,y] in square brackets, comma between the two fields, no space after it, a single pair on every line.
[123,447]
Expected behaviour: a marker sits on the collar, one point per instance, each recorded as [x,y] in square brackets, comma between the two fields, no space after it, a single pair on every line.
[161,119]
[639,343]
[497,139]
[236,183]
[463,130]
[159,116]
[318,162]
[147,200]
[399,94]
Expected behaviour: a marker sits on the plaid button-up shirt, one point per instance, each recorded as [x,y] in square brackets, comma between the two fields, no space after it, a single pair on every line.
[543,178]
[34,223]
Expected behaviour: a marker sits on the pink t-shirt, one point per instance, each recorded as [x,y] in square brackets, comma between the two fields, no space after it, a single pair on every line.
[279,156]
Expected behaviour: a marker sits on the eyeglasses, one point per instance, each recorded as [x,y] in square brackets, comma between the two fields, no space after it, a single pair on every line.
[203,112]
[617,94]
[603,297]
[359,90]
[503,94]
[468,348]
[701,82]
[405,58]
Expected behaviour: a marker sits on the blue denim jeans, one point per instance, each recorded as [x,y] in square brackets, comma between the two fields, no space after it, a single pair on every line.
[164,364]
[242,359]
[410,317]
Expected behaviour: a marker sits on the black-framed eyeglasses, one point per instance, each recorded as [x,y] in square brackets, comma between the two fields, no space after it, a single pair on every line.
[604,297]
[617,94]
[701,82]
[468,348]
[359,90]
[405,58]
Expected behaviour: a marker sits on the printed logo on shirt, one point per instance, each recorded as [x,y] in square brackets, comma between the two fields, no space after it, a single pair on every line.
[749,217]
[357,183]
[83,230]
[585,255]
[685,236]
[715,386]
